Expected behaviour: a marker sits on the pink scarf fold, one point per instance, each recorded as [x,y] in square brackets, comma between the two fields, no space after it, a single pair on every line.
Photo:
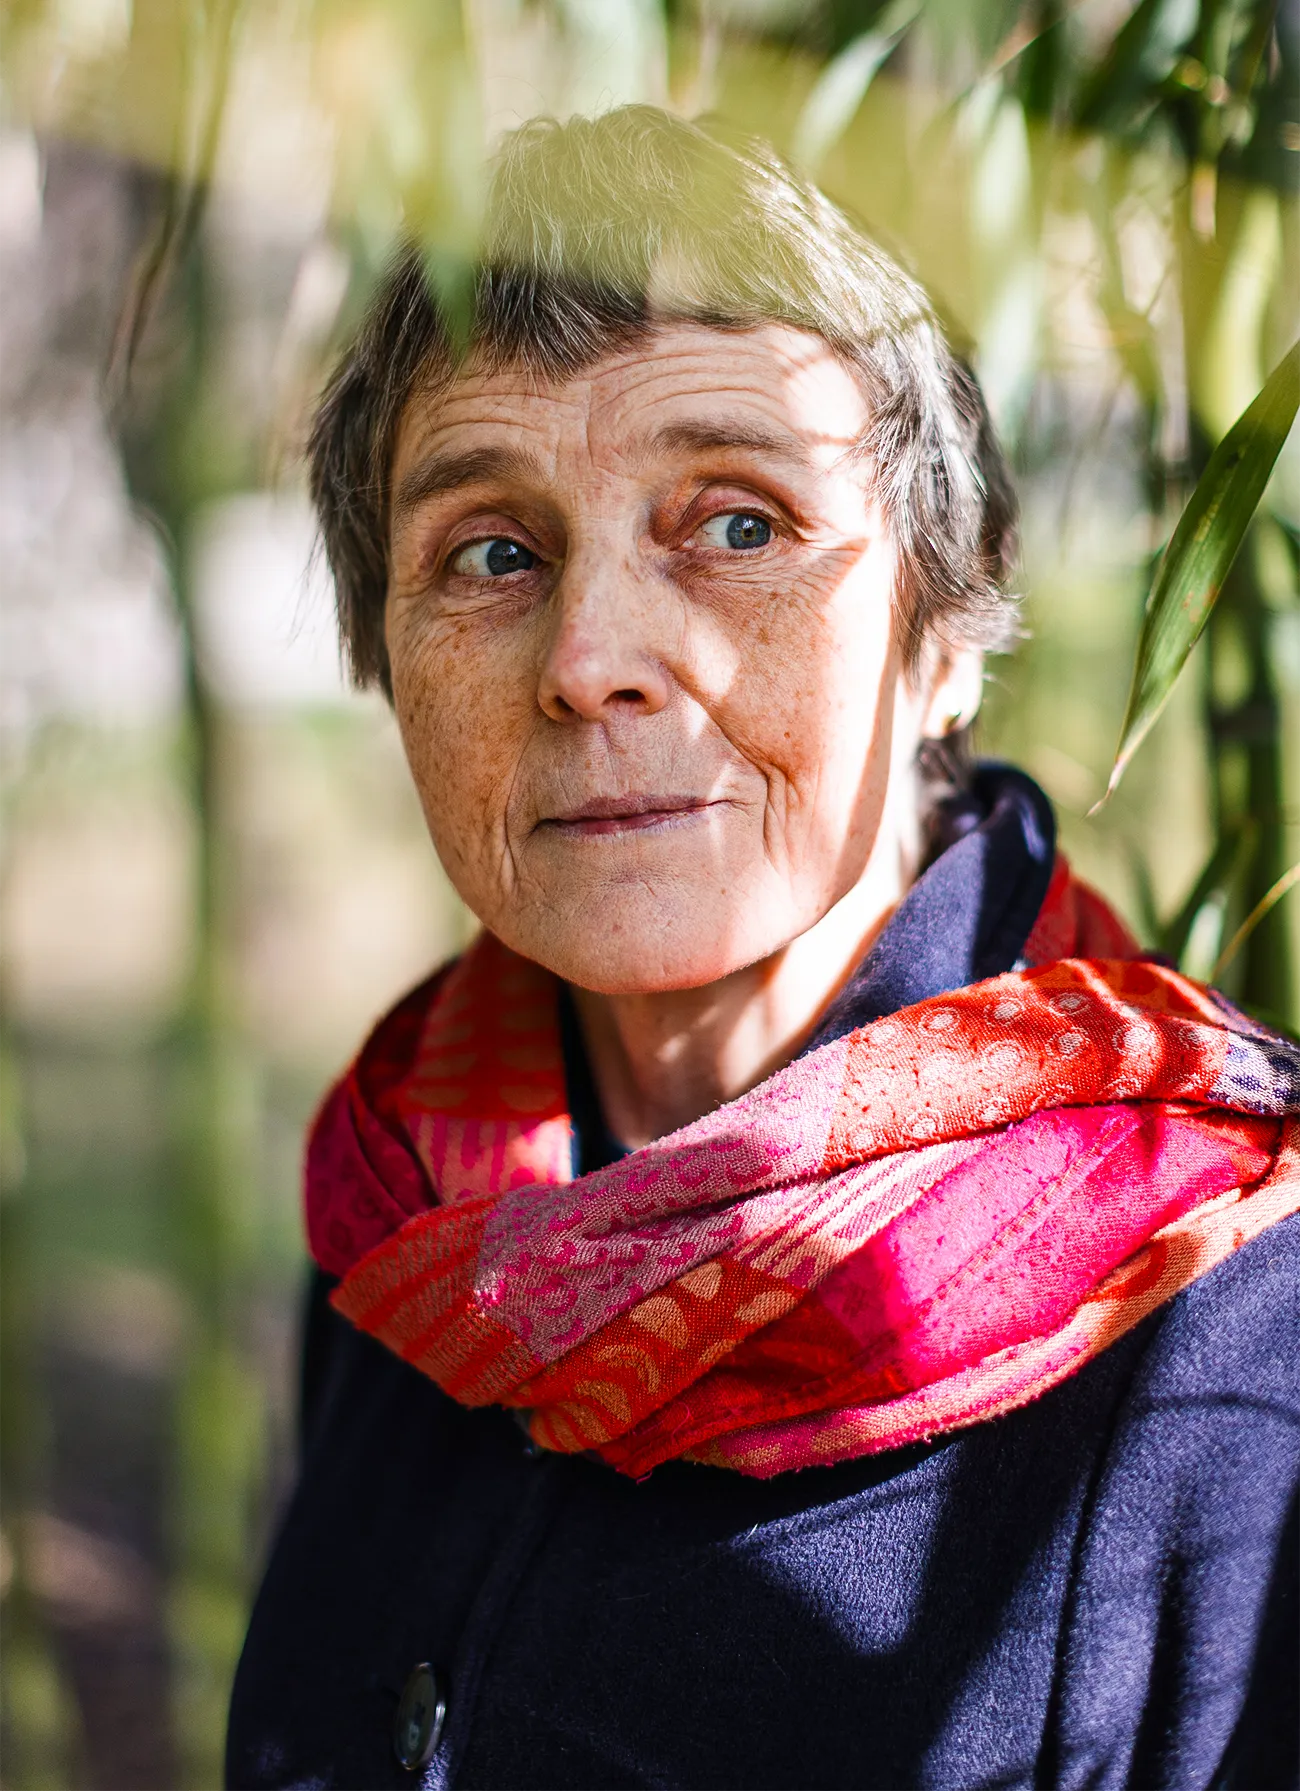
[911,1229]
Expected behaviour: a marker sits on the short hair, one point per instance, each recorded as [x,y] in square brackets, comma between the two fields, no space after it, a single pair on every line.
[597,232]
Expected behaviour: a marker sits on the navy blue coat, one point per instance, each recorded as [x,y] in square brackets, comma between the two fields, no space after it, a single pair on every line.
[1097,1591]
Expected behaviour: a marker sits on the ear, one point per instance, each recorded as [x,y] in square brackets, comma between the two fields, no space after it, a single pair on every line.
[955,693]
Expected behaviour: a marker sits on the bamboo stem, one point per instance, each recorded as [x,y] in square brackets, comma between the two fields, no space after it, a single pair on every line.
[1269,900]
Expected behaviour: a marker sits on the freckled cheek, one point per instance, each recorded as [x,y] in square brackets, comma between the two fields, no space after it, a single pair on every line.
[464,727]
[806,680]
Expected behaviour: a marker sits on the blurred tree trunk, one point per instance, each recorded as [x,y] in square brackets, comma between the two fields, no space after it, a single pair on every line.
[171,476]
[167,358]
[40,1719]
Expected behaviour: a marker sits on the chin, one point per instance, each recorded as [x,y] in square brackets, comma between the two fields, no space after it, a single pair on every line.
[612,952]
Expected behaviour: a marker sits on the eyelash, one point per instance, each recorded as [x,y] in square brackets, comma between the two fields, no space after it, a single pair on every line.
[486,541]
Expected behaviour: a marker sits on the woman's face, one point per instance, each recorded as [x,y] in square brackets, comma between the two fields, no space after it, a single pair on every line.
[642,655]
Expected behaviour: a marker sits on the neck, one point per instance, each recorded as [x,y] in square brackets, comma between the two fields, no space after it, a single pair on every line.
[660,1061]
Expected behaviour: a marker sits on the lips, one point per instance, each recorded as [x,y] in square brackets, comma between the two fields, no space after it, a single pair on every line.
[626,814]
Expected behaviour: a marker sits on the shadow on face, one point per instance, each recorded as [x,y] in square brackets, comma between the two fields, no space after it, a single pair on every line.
[643,660]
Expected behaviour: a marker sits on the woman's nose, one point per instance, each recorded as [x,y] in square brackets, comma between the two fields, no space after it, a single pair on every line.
[600,657]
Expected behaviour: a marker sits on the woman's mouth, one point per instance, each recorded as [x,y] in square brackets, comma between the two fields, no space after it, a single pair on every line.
[626,814]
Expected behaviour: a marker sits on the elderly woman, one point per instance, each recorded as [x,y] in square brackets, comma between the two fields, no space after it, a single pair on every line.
[802,1301]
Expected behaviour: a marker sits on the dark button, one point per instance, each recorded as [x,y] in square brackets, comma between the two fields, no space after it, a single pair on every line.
[421,1712]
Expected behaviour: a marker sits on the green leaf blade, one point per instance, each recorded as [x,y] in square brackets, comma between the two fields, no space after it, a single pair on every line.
[1201,551]
[842,85]
[1140,55]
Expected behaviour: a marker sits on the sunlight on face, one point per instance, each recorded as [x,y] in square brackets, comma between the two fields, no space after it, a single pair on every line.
[642,655]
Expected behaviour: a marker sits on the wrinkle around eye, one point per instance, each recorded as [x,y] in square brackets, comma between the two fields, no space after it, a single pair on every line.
[424,546]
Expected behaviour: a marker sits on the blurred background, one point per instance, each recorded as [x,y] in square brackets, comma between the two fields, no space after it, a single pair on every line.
[213,875]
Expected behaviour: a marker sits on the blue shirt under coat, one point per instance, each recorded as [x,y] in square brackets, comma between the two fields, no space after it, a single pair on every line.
[1097,1591]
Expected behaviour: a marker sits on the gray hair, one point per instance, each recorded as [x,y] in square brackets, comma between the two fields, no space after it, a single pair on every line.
[597,232]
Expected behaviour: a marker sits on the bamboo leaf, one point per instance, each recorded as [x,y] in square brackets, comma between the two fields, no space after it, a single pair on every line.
[1286,882]
[1291,541]
[1140,56]
[1221,878]
[1203,546]
[842,85]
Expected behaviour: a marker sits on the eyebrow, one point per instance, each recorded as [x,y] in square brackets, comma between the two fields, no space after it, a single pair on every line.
[438,474]
[759,438]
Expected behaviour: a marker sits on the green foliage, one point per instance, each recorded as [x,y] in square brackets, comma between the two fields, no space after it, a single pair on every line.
[1058,170]
[1193,933]
[842,85]
[1128,81]
[1209,534]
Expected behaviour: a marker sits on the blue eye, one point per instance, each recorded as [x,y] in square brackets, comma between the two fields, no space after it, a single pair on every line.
[494,558]
[737,529]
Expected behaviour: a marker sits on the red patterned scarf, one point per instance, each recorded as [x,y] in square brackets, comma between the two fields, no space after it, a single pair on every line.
[918,1226]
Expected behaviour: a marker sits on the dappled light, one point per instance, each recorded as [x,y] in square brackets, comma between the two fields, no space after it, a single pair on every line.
[215,873]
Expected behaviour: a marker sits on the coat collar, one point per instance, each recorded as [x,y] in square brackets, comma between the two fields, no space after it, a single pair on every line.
[965,918]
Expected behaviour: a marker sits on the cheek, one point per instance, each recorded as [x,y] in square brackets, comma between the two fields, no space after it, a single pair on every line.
[463,735]
[811,665]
